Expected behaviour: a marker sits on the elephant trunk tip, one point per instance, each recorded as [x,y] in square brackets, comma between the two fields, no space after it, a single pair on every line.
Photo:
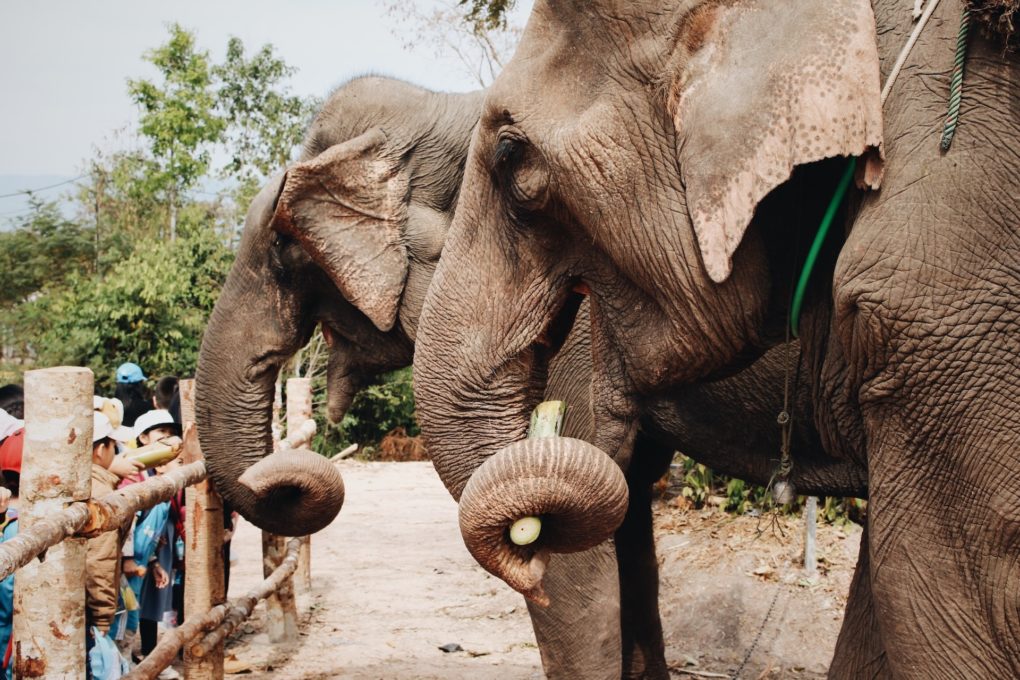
[296,492]
[568,495]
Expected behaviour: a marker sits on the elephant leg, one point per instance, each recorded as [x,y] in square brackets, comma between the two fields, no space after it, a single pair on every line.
[644,653]
[859,653]
[943,545]
[578,634]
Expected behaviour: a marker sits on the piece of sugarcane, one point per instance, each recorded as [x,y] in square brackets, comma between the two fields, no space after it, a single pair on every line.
[157,453]
[546,421]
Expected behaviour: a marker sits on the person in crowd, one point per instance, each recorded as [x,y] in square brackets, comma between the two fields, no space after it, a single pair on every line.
[165,392]
[103,552]
[12,400]
[157,544]
[12,434]
[132,392]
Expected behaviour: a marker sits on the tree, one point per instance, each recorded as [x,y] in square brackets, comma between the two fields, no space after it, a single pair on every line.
[178,117]
[116,199]
[264,121]
[490,14]
[43,249]
[150,308]
[483,45]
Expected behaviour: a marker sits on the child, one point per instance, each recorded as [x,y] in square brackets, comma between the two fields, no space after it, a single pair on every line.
[103,552]
[12,435]
[155,592]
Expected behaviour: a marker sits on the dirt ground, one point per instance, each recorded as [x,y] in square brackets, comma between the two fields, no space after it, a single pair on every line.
[393,582]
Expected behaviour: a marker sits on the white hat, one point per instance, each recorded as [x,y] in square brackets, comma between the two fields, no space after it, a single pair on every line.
[102,428]
[9,424]
[156,418]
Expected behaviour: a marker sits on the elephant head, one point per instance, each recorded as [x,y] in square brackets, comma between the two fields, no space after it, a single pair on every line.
[348,238]
[632,152]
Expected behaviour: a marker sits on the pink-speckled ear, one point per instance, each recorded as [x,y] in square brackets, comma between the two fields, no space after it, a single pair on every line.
[347,207]
[757,87]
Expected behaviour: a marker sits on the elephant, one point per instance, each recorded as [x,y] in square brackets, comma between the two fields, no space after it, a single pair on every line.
[348,238]
[299,265]
[670,163]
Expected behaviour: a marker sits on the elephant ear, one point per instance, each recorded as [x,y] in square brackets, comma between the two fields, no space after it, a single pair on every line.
[757,87]
[347,207]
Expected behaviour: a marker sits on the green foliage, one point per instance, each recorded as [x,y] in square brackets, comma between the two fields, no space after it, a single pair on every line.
[151,308]
[265,122]
[379,408]
[44,248]
[841,511]
[178,116]
[106,286]
[489,14]
[697,482]
[701,488]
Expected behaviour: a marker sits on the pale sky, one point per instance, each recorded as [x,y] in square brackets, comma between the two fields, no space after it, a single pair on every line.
[65,63]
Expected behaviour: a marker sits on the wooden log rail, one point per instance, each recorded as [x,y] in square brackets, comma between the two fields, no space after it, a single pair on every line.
[217,623]
[94,516]
[57,515]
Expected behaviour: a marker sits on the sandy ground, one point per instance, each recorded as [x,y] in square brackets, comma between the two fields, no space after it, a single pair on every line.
[392,582]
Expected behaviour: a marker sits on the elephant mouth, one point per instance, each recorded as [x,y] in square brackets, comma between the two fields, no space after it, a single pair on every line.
[550,340]
[342,383]
[561,321]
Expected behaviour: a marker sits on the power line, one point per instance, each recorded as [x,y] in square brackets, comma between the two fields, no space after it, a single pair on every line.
[24,192]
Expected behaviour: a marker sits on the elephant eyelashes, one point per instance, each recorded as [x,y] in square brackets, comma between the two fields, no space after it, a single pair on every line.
[281,240]
[509,152]
[520,173]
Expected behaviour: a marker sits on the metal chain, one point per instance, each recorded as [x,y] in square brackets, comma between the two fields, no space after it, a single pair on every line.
[956,84]
[754,643]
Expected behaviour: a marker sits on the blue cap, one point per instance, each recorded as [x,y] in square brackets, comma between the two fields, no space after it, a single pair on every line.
[130,373]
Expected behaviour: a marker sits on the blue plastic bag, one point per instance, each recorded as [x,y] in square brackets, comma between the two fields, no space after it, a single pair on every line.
[105,660]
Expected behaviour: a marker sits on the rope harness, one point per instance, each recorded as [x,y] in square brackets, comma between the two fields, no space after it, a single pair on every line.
[956,84]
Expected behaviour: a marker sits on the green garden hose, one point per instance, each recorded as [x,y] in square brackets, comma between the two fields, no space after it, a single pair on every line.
[816,246]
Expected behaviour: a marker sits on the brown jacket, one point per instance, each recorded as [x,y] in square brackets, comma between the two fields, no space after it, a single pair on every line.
[102,561]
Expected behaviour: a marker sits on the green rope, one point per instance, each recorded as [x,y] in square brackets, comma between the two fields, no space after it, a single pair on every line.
[956,84]
[816,247]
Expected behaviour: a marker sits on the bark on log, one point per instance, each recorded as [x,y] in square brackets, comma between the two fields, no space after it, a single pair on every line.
[281,611]
[346,453]
[299,412]
[49,596]
[203,530]
[112,510]
[301,437]
[172,640]
[239,609]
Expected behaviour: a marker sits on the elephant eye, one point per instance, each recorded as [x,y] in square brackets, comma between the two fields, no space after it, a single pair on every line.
[521,174]
[509,151]
[281,240]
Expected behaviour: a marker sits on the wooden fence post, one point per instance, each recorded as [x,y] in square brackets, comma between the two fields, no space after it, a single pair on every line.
[203,554]
[281,613]
[299,409]
[49,596]
[810,543]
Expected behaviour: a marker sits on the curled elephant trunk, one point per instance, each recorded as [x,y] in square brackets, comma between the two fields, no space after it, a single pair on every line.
[306,484]
[576,491]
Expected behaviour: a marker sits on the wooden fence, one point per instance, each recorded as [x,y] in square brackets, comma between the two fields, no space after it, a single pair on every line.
[57,515]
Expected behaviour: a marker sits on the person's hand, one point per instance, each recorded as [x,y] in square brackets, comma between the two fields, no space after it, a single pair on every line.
[5,498]
[161,577]
[132,568]
[125,467]
[227,535]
